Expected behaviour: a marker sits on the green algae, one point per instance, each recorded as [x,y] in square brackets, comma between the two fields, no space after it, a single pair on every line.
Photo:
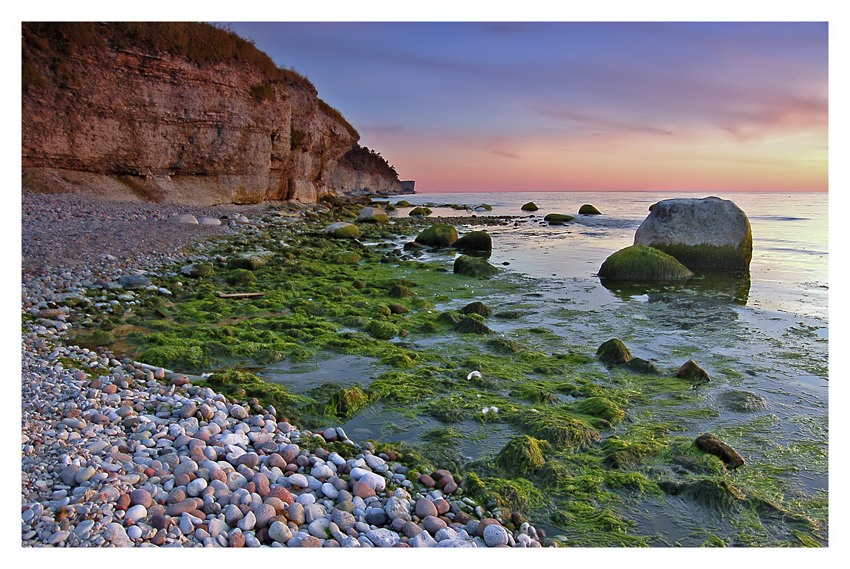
[607,432]
[642,264]
[522,455]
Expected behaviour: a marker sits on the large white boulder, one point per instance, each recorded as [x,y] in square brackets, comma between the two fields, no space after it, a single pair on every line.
[703,234]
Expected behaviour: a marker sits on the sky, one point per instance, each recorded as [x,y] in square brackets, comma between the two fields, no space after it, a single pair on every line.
[548,106]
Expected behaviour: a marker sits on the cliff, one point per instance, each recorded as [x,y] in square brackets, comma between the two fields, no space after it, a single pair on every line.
[177,112]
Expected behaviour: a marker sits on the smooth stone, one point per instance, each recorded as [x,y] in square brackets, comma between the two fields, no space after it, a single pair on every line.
[280,532]
[141,497]
[330,491]
[382,537]
[433,524]
[134,533]
[376,517]
[495,535]
[425,508]
[422,539]
[319,528]
[314,512]
[135,513]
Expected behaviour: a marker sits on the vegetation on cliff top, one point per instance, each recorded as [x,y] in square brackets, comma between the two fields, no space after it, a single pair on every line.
[48,45]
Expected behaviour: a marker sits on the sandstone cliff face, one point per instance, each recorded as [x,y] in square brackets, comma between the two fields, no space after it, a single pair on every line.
[129,125]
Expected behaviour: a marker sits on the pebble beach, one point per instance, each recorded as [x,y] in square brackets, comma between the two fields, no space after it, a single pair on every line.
[116,453]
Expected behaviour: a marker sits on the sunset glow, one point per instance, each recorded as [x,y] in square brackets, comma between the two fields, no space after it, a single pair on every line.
[575,106]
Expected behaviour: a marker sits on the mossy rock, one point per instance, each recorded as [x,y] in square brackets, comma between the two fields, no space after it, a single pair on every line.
[558,218]
[505,346]
[389,207]
[198,270]
[522,456]
[241,277]
[382,330]
[469,325]
[744,401]
[477,241]
[249,263]
[562,432]
[477,307]
[588,209]
[403,203]
[345,258]
[707,234]
[640,263]
[613,352]
[474,267]
[383,310]
[97,338]
[623,454]
[509,315]
[601,407]
[372,215]
[716,493]
[398,290]
[438,235]
[342,230]
[420,211]
[691,371]
[529,206]
[450,318]
[642,366]
[346,402]
[396,308]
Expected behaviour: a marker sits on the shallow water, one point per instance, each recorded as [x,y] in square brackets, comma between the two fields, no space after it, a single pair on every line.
[768,336]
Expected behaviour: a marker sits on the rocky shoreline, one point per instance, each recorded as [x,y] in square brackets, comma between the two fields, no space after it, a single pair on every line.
[115,453]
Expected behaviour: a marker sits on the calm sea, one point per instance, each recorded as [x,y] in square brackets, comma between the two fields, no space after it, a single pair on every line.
[789,269]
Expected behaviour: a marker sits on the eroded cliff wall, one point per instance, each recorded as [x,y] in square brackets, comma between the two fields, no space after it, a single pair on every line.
[132,122]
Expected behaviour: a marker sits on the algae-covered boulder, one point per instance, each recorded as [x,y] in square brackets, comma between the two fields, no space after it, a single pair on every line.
[703,234]
[588,209]
[475,241]
[250,263]
[470,325]
[522,455]
[438,235]
[420,211]
[691,370]
[640,365]
[529,206]
[642,264]
[613,352]
[346,402]
[744,401]
[342,230]
[403,203]
[197,270]
[558,218]
[477,307]
[709,443]
[371,214]
[474,267]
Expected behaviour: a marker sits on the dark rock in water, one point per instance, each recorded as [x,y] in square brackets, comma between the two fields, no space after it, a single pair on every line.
[438,235]
[640,365]
[398,290]
[690,370]
[703,234]
[477,307]
[712,445]
[448,318]
[588,209]
[743,401]
[614,352]
[508,315]
[414,246]
[133,282]
[470,325]
[473,267]
[398,308]
[558,218]
[505,346]
[640,263]
[475,241]
[530,206]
